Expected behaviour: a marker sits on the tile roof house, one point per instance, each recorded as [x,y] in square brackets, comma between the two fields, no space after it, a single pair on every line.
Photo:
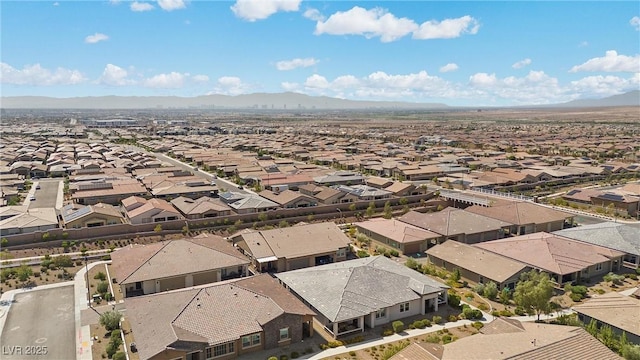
[201,208]
[295,247]
[620,312]
[458,224]
[221,321]
[477,265]
[176,264]
[29,220]
[612,235]
[394,234]
[566,260]
[364,192]
[289,199]
[505,338]
[350,295]
[148,211]
[75,216]
[526,217]
[243,203]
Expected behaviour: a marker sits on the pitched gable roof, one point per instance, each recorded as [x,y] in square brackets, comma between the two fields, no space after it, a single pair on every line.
[452,221]
[550,252]
[161,320]
[615,309]
[520,213]
[172,258]
[617,236]
[348,289]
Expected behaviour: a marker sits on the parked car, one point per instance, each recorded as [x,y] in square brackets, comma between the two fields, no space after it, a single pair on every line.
[38,187]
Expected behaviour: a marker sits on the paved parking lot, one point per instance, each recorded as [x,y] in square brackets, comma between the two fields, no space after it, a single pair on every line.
[40,325]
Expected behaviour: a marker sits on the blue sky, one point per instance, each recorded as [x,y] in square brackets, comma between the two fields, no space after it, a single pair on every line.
[458,53]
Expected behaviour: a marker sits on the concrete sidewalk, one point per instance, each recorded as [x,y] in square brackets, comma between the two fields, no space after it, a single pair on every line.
[83,332]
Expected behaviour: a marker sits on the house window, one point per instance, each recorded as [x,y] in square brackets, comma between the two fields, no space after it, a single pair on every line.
[381,313]
[219,350]
[250,340]
[404,307]
[284,334]
[341,253]
[599,267]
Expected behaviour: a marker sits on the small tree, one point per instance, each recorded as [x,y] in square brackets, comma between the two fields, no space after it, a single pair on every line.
[403,201]
[370,210]
[103,287]
[158,228]
[100,276]
[455,276]
[4,242]
[110,320]
[262,217]
[283,224]
[505,296]
[388,213]
[533,292]
[352,207]
[24,272]
[490,290]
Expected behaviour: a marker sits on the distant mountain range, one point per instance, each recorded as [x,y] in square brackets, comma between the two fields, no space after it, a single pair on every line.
[262,101]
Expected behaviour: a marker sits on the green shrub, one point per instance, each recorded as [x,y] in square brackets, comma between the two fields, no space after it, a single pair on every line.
[394,253]
[418,324]
[398,326]
[426,322]
[520,311]
[576,297]
[335,344]
[483,306]
[490,290]
[119,356]
[103,287]
[454,300]
[434,339]
[272,358]
[471,314]
[100,276]
[352,353]
[295,355]
[362,254]
[387,332]
[436,319]
[446,339]
[284,357]
[452,318]
[479,288]
[478,325]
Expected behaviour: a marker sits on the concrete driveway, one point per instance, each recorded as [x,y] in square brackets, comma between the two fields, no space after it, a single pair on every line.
[40,324]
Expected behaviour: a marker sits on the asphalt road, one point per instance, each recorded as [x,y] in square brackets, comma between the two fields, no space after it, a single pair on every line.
[47,195]
[40,322]
[221,183]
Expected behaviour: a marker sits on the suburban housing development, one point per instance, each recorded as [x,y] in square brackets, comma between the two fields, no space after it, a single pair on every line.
[208,239]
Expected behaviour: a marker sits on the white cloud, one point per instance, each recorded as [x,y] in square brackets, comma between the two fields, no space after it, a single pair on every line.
[170,5]
[115,76]
[601,86]
[295,63]
[56,4]
[447,29]
[141,6]
[583,44]
[522,63]
[230,85]
[253,10]
[449,67]
[316,81]
[95,38]
[313,14]
[200,78]
[36,75]
[172,80]
[376,22]
[611,62]
[635,22]
[482,79]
